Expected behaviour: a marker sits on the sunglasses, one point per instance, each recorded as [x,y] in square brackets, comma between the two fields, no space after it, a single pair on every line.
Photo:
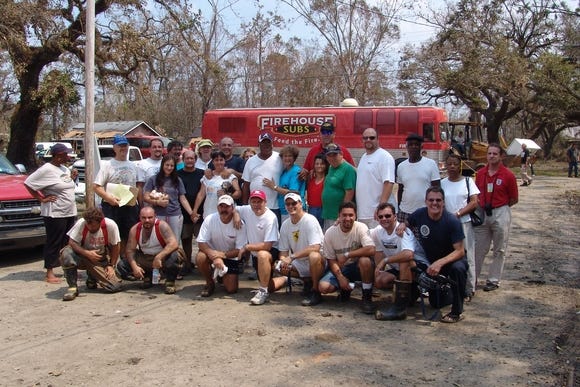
[386,216]
[326,132]
[290,204]
[369,138]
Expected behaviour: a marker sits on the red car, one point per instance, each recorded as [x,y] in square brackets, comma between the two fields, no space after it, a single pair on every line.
[21,225]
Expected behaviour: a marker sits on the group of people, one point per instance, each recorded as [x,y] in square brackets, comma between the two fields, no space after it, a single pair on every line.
[329,222]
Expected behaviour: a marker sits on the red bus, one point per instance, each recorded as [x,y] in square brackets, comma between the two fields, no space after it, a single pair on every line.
[300,126]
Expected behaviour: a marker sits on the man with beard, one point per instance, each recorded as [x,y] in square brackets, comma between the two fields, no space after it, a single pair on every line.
[219,245]
[349,251]
[414,176]
[152,245]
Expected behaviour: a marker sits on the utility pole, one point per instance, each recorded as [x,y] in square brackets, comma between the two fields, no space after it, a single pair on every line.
[90,146]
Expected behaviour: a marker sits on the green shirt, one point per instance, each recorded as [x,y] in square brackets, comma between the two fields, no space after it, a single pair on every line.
[337,182]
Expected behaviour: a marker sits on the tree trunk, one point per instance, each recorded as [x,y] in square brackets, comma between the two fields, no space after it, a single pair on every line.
[23,128]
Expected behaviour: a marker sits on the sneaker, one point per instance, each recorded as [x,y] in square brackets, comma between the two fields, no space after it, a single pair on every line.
[260,298]
[314,299]
[490,286]
[524,184]
[70,294]
[170,287]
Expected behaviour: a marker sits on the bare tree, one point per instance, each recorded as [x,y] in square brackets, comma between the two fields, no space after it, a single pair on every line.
[356,33]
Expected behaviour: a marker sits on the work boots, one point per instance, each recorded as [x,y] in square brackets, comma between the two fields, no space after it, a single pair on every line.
[397,311]
[71,275]
[367,301]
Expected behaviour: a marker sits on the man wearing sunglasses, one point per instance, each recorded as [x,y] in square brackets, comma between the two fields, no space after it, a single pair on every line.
[327,132]
[391,249]
[440,235]
[375,178]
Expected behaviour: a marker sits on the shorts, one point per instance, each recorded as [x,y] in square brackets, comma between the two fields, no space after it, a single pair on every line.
[350,271]
[234,266]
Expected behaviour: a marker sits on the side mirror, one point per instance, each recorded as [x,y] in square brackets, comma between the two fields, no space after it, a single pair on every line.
[21,168]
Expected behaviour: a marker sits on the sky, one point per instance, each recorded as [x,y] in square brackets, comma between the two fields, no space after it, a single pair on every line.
[413,30]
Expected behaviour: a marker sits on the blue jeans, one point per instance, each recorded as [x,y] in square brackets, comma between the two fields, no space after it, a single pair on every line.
[317,212]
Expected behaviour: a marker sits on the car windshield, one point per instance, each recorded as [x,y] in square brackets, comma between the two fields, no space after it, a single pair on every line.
[6,167]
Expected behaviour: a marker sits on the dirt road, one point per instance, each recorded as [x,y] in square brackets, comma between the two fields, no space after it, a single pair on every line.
[523,334]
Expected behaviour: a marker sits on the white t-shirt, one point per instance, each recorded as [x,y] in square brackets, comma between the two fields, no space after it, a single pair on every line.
[95,241]
[337,242]
[52,180]
[117,172]
[211,187]
[220,236]
[263,228]
[416,178]
[372,172]
[297,237]
[200,164]
[456,195]
[257,169]
[147,168]
[391,244]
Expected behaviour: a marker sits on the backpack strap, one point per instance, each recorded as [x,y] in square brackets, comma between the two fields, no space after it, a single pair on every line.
[157,233]
[103,228]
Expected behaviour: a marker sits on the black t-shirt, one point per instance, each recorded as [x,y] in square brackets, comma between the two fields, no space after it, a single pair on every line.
[436,236]
[192,183]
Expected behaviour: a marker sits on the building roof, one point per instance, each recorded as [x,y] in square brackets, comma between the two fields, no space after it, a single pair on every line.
[107,129]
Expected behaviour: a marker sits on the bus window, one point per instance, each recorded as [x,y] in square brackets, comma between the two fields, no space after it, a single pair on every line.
[386,121]
[408,121]
[443,131]
[363,119]
[429,132]
[232,125]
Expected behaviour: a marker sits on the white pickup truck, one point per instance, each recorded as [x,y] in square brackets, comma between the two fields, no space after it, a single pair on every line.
[106,153]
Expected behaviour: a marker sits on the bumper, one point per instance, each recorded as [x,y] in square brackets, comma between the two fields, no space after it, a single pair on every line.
[22,238]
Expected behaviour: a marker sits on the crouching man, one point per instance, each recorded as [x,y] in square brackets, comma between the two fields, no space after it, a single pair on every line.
[349,250]
[152,245]
[440,236]
[94,245]
[300,249]
[219,244]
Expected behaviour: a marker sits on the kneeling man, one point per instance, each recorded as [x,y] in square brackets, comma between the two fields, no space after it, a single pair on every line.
[300,244]
[94,245]
[152,245]
[219,243]
[349,250]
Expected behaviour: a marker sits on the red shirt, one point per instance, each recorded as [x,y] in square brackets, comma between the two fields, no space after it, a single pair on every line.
[503,187]
[316,149]
[314,195]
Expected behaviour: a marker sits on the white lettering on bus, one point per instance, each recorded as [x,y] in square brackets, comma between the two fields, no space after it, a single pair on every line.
[268,121]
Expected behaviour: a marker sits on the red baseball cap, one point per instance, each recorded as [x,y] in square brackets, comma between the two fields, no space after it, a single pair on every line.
[258,194]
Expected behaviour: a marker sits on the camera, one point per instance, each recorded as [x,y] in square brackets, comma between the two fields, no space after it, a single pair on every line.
[488,209]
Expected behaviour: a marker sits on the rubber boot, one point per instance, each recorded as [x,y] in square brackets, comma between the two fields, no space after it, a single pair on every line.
[71,275]
[397,311]
[367,301]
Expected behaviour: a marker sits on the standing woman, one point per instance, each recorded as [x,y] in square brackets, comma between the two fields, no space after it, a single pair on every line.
[459,203]
[289,180]
[169,193]
[53,186]
[315,186]
[218,184]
